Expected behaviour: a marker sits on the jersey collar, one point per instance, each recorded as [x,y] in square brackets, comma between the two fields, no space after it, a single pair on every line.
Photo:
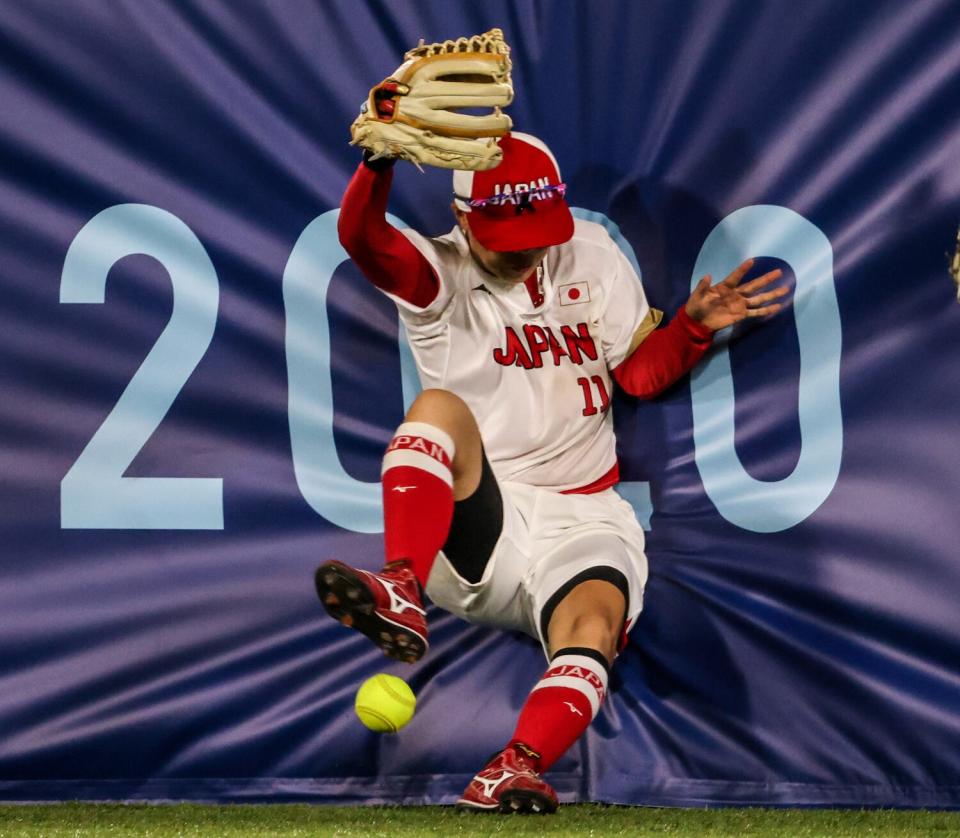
[516,297]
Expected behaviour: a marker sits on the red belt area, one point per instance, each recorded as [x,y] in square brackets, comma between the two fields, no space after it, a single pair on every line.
[611,478]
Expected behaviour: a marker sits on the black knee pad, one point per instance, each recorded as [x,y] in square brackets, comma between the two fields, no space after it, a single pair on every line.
[602,573]
[476,527]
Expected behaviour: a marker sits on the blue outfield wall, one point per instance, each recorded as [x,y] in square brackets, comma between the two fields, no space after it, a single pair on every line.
[196,387]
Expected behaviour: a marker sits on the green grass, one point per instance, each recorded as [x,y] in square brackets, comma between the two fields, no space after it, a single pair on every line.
[79,820]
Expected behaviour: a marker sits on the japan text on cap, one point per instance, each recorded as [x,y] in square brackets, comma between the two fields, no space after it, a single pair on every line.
[519,204]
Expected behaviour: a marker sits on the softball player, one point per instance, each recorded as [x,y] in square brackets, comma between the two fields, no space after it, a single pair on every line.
[498,488]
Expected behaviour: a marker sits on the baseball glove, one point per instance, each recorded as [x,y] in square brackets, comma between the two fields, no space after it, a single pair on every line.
[415,114]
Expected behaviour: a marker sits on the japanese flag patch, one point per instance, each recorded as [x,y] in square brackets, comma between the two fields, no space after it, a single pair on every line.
[574,293]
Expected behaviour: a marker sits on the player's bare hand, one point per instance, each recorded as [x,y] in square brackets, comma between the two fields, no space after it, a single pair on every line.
[728,302]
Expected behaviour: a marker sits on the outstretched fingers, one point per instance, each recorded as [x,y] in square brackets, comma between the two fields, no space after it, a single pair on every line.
[761,281]
[703,285]
[757,304]
[738,274]
[763,311]
[759,299]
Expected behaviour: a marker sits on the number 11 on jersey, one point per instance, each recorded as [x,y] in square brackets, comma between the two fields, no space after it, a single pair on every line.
[587,384]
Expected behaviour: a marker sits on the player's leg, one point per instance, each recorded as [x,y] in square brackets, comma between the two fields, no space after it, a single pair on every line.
[582,634]
[581,622]
[434,460]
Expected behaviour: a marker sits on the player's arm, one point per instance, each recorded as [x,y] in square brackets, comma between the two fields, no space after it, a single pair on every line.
[665,355]
[385,256]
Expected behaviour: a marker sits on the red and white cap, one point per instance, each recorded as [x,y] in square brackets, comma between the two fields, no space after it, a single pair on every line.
[528,210]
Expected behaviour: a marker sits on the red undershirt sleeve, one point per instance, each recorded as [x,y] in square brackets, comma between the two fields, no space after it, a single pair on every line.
[664,357]
[384,255]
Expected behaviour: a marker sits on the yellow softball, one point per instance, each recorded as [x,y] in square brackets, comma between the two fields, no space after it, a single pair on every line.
[385,703]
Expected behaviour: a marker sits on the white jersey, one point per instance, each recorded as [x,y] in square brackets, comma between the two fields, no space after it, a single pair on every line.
[536,378]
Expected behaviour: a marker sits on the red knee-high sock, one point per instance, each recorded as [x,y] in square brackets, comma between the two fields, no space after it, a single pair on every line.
[562,704]
[417,495]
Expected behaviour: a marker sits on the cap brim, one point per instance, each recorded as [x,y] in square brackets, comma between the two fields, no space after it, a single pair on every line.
[526,231]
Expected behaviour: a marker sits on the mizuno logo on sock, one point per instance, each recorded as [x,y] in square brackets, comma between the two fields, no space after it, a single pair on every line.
[573,707]
[402,489]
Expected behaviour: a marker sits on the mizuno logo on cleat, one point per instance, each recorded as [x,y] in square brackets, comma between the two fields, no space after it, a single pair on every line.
[490,783]
[397,603]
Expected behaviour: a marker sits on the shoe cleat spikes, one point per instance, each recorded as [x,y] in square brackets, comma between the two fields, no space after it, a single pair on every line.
[386,607]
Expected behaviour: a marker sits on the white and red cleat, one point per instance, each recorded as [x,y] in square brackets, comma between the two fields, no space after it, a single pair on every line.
[384,606]
[509,783]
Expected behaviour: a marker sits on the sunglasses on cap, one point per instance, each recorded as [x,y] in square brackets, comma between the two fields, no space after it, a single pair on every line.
[521,200]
